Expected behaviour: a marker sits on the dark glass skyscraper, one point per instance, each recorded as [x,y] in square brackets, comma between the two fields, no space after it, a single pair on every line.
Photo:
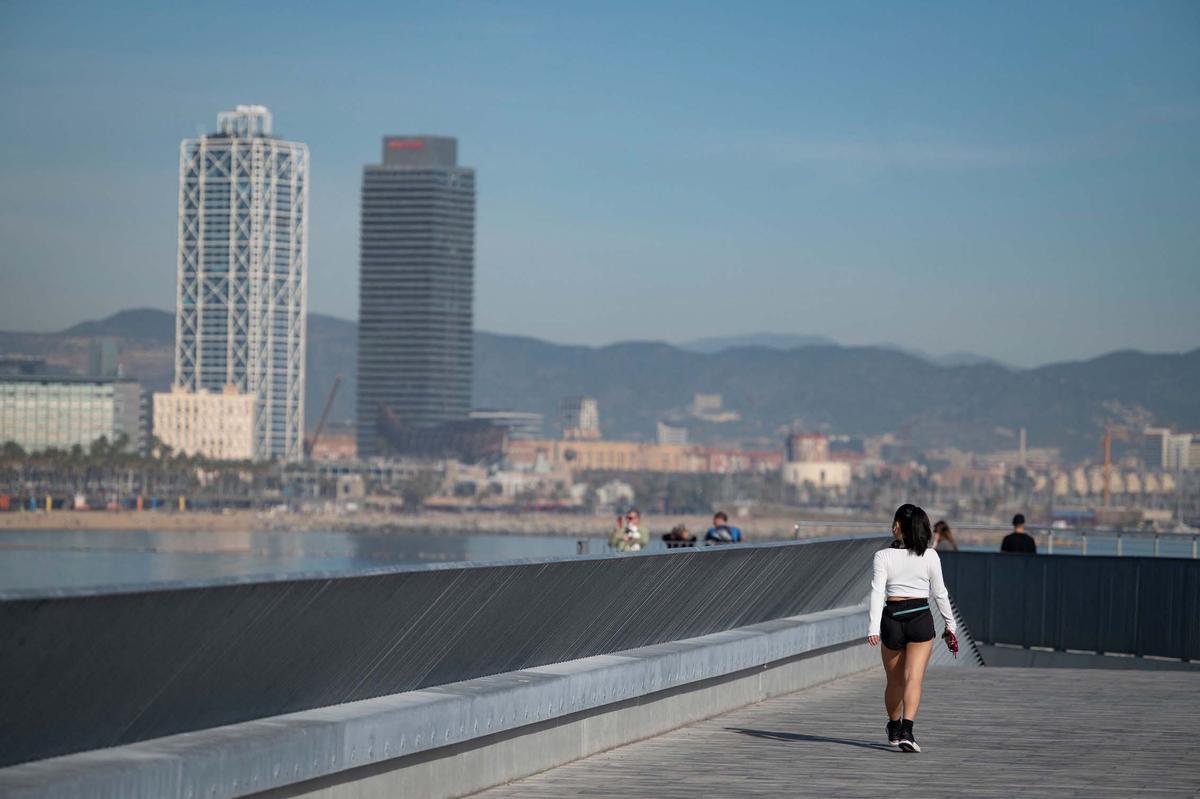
[415,288]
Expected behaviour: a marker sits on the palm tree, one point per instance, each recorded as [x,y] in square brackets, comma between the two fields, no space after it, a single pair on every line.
[12,451]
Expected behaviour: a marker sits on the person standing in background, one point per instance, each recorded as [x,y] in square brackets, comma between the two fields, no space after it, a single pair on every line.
[628,536]
[942,532]
[1019,540]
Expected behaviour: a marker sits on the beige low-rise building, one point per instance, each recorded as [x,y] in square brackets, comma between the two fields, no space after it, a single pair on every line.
[821,474]
[218,426]
[546,455]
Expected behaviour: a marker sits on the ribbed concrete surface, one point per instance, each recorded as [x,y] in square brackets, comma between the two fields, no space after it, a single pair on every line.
[85,670]
[986,732]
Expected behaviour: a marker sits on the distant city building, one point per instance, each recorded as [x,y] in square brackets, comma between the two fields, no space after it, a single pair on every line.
[849,447]
[22,365]
[593,455]
[416,286]
[807,459]
[709,408]
[104,357]
[671,434]
[1161,448]
[335,447]
[1155,447]
[1183,452]
[898,453]
[579,418]
[469,440]
[521,425]
[966,476]
[40,412]
[705,404]
[1090,482]
[820,474]
[1032,458]
[145,419]
[807,448]
[217,425]
[731,461]
[876,448]
[337,442]
[631,456]
[243,272]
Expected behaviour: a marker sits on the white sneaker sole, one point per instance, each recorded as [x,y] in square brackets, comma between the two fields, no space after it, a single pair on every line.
[909,746]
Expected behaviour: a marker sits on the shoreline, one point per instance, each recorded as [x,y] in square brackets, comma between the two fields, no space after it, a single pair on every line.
[428,522]
[754,528]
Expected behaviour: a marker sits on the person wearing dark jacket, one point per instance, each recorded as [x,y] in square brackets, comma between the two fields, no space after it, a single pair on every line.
[1019,540]
[679,537]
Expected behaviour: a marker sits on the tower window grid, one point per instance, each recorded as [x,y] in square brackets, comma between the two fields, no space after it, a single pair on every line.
[242,272]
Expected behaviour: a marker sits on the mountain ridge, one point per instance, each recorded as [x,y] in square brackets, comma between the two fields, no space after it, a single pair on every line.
[789,341]
[162,324]
[863,390]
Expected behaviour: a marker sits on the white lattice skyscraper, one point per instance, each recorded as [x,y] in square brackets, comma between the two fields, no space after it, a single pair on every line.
[243,272]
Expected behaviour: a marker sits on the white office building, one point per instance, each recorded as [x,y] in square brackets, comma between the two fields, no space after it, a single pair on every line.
[579,418]
[672,435]
[40,412]
[1183,452]
[243,271]
[1163,449]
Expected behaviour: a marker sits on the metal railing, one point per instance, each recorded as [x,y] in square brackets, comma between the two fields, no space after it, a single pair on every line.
[1103,605]
[1050,540]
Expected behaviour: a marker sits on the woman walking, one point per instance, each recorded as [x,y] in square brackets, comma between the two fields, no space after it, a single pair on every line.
[906,577]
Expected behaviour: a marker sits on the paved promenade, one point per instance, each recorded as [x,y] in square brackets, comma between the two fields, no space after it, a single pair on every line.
[986,732]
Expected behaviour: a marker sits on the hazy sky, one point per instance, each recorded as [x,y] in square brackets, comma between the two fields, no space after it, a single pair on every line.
[1021,181]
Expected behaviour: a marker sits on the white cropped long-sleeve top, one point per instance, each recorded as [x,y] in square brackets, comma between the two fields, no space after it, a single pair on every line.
[901,572]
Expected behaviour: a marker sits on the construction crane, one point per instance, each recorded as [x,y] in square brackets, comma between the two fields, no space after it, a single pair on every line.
[1111,432]
[311,443]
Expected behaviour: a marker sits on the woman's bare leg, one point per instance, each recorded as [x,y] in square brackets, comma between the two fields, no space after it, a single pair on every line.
[916,658]
[893,667]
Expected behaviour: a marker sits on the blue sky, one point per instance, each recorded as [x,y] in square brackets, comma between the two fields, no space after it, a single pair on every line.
[1018,180]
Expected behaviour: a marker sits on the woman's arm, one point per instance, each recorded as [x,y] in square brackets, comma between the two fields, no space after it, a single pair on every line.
[938,592]
[878,593]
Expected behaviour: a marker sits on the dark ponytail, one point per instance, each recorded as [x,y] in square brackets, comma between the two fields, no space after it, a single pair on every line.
[914,528]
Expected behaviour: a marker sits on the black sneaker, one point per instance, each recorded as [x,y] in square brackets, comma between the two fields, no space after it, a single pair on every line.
[893,730]
[907,742]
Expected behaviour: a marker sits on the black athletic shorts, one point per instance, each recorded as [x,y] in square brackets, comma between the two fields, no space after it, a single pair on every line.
[908,621]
